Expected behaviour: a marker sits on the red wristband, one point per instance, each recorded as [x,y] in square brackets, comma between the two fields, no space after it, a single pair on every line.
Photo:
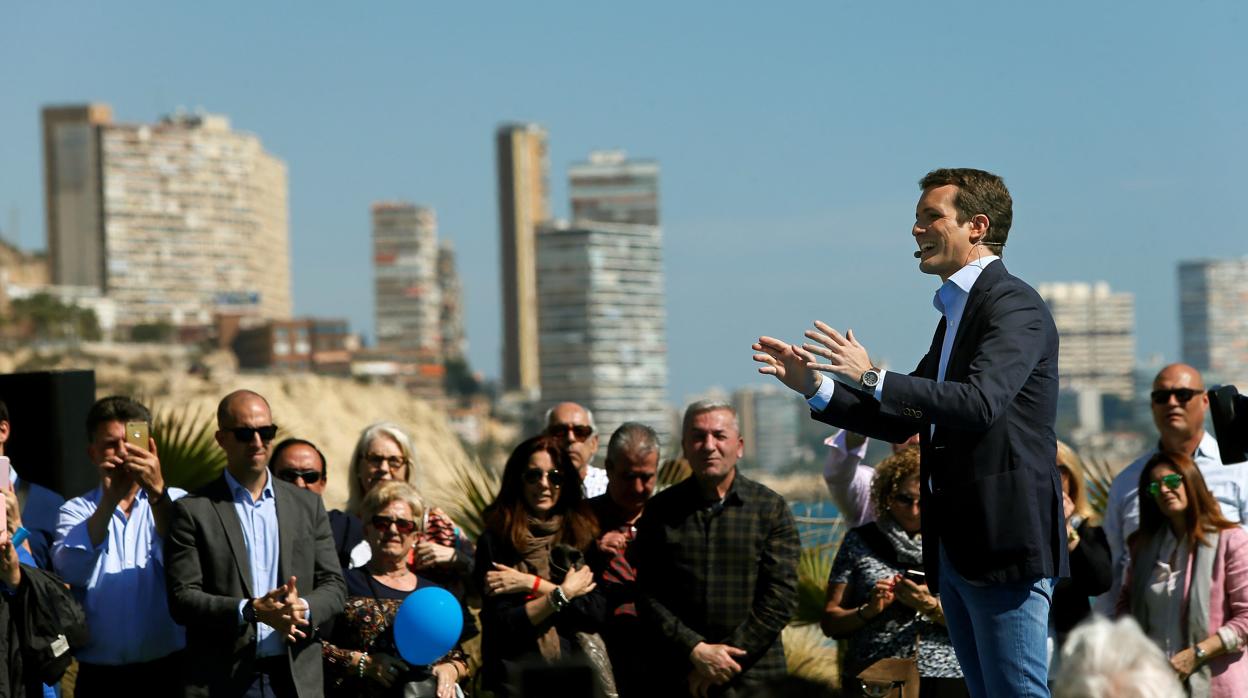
[537,583]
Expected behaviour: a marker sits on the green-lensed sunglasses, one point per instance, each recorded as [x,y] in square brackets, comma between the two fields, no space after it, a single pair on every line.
[1171,481]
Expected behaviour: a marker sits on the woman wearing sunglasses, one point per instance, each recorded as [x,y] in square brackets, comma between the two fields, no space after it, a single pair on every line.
[525,616]
[384,453]
[875,599]
[1090,570]
[1187,584]
[360,654]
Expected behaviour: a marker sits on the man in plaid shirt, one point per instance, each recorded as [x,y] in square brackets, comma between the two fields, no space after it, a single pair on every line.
[716,559]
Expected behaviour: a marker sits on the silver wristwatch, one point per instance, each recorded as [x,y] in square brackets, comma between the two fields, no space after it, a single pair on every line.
[1202,656]
[870,379]
[558,599]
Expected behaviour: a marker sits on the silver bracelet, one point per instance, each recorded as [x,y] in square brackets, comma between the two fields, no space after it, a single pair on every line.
[558,599]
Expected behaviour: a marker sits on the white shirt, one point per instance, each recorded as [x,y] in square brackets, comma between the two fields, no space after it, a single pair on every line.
[595,482]
[1227,483]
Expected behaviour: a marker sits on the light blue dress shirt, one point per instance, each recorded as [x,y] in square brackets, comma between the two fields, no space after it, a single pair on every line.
[39,513]
[120,582]
[950,300]
[259,522]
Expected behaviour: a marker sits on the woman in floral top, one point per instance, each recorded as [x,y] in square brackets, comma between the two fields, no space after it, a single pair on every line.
[360,655]
[872,604]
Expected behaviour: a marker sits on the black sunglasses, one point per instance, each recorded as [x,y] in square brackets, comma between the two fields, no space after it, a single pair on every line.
[905,500]
[1161,397]
[580,432]
[246,434]
[532,476]
[403,526]
[309,476]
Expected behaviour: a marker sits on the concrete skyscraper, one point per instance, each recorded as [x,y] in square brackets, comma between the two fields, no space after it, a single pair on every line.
[454,340]
[603,321]
[770,424]
[610,188]
[522,206]
[1096,327]
[1213,315]
[174,221]
[408,299]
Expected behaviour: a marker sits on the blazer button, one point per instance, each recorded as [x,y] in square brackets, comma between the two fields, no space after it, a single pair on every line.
[918,414]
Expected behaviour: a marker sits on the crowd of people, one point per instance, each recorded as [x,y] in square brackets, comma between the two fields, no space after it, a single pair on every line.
[975,564]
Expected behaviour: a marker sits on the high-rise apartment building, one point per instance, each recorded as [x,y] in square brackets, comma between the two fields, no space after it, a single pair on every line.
[454,340]
[770,422]
[1213,315]
[523,205]
[603,321]
[1096,327]
[408,300]
[174,221]
[610,188]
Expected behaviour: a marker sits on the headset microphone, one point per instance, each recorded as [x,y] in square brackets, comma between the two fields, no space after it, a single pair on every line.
[918,254]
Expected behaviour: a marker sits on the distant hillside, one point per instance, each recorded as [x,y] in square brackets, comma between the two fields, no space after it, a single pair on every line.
[328,411]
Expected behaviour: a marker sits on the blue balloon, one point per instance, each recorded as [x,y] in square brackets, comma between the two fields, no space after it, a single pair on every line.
[427,625]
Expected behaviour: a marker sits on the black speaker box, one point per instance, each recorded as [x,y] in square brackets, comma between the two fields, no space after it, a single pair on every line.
[47,428]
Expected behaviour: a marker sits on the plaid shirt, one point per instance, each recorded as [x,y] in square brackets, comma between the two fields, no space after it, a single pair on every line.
[718,572]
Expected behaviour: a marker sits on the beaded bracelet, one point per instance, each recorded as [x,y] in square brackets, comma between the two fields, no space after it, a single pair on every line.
[359,670]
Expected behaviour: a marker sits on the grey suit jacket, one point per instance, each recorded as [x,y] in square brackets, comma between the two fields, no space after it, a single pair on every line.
[208,573]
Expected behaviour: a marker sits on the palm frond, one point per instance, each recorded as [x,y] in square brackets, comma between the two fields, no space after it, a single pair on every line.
[672,471]
[813,567]
[472,488]
[810,655]
[189,455]
[1098,476]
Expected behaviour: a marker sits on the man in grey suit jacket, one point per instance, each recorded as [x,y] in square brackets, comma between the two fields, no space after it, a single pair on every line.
[251,569]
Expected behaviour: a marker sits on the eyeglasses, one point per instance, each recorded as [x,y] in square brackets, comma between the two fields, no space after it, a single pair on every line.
[375,461]
[247,434]
[580,432]
[1171,481]
[532,476]
[1162,397]
[905,500]
[309,476]
[403,526]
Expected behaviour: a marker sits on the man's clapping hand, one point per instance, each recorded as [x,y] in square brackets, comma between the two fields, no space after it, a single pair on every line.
[283,610]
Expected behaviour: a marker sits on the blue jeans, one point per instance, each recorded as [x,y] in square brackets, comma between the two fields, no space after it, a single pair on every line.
[999,633]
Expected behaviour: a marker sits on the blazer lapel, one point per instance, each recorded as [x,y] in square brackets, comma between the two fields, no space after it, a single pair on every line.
[223,503]
[285,502]
[979,291]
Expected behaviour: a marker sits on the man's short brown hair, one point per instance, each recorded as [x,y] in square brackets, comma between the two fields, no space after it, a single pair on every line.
[978,192]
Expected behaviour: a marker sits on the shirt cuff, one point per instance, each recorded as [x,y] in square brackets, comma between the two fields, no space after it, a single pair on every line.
[241,604]
[1231,640]
[879,387]
[819,401]
[309,615]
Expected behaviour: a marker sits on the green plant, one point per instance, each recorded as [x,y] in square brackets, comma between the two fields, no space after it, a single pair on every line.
[809,655]
[813,567]
[473,486]
[189,455]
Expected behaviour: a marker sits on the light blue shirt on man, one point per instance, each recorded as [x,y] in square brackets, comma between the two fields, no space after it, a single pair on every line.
[120,582]
[258,519]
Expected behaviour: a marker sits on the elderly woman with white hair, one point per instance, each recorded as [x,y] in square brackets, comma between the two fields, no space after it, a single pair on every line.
[384,453]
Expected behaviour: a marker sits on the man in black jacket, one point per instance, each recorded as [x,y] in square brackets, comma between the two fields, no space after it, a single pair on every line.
[984,402]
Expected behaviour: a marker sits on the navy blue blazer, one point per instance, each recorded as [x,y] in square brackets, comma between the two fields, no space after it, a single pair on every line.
[989,484]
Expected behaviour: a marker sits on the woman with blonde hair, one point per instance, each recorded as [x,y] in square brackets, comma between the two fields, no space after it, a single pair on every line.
[361,658]
[1090,571]
[384,453]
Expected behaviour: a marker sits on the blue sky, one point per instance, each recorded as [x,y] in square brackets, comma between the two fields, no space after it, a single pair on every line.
[791,139]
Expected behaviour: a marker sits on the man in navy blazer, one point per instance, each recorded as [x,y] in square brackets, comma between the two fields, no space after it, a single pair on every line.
[983,401]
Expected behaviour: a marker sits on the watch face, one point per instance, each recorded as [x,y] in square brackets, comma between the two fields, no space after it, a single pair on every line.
[870,378]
